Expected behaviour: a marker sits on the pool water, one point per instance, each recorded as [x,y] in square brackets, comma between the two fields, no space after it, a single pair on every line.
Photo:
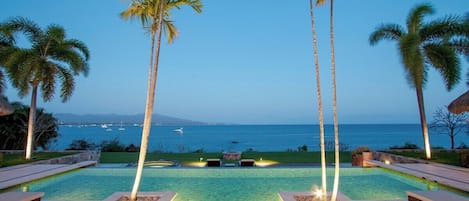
[228,184]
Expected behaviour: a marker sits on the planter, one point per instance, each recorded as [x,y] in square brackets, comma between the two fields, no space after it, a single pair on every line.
[359,159]
[142,196]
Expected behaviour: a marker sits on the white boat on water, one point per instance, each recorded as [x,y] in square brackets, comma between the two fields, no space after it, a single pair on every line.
[103,126]
[121,128]
[179,130]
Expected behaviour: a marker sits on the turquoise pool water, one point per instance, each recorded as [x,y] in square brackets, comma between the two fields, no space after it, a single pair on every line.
[228,184]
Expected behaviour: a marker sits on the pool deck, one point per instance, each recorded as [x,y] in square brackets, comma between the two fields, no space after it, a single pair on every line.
[455,177]
[16,175]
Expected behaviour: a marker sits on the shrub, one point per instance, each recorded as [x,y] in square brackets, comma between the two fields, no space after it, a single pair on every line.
[1,159]
[462,146]
[407,145]
[464,158]
[438,148]
[112,146]
[81,144]
[201,150]
[303,148]
[132,148]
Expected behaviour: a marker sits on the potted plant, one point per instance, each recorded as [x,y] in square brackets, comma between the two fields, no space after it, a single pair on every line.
[361,154]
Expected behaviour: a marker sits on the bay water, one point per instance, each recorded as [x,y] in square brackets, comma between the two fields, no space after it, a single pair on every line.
[218,138]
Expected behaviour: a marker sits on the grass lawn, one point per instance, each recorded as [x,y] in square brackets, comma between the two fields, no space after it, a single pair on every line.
[450,158]
[18,158]
[186,158]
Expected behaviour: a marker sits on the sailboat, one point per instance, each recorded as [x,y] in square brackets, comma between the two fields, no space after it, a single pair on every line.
[121,128]
[179,130]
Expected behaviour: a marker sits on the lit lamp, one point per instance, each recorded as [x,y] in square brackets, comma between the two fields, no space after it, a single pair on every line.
[387,162]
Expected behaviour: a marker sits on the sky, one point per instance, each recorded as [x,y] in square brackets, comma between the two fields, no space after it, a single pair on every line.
[243,62]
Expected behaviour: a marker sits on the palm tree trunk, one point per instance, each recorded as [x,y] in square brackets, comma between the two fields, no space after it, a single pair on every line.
[335,188]
[32,116]
[152,77]
[452,141]
[318,91]
[423,123]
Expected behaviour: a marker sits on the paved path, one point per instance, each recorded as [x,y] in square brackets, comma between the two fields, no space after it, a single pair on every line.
[15,175]
[444,174]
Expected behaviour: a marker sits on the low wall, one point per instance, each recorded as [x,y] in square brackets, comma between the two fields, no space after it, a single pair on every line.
[72,159]
[392,158]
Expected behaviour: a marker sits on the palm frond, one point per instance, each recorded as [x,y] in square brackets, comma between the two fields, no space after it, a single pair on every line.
[445,60]
[28,27]
[170,30]
[450,25]
[66,53]
[78,45]
[412,60]
[460,45]
[320,2]
[7,38]
[55,33]
[196,5]
[142,10]
[415,18]
[47,83]
[67,83]
[386,31]
[2,82]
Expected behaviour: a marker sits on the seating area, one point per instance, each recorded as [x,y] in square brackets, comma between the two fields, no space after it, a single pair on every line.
[247,163]
[230,159]
[214,162]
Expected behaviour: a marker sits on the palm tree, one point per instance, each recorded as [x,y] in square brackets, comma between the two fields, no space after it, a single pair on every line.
[335,188]
[154,16]
[422,45]
[52,58]
[319,97]
[333,69]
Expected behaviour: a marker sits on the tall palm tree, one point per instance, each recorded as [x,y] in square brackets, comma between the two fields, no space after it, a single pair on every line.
[319,97]
[422,45]
[335,188]
[155,17]
[52,59]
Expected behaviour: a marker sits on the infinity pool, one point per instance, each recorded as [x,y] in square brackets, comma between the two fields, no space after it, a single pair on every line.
[228,184]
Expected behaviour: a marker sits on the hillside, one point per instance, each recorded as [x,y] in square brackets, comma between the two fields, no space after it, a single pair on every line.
[65,118]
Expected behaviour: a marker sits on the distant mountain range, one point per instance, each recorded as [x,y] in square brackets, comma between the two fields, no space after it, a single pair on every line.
[65,118]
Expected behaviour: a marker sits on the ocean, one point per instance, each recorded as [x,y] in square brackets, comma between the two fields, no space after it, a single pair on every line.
[217,138]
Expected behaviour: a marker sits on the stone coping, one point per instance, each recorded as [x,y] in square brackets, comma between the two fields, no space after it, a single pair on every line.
[21,196]
[16,176]
[163,196]
[290,196]
[435,196]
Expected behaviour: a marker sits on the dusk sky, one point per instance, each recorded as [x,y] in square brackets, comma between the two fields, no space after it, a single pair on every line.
[247,62]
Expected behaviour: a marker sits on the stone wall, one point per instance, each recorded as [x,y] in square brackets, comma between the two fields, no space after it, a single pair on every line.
[382,156]
[72,159]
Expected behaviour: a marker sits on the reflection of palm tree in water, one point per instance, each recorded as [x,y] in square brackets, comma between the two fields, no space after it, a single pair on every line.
[182,147]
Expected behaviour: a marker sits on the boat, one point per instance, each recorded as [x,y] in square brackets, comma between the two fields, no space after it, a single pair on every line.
[103,126]
[179,130]
[121,128]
